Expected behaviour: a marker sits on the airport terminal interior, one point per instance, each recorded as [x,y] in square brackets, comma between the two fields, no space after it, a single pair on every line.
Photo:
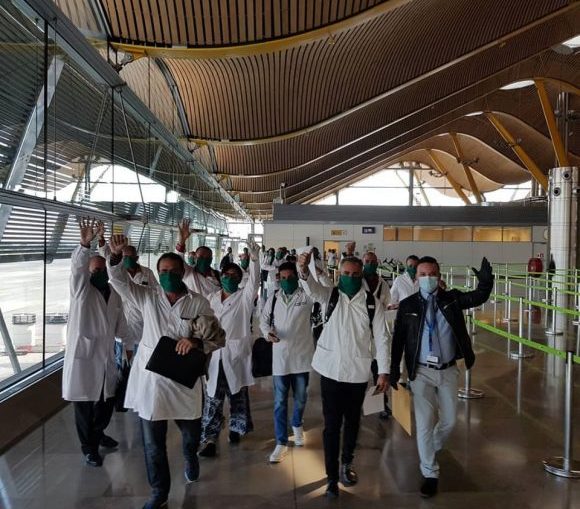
[252,132]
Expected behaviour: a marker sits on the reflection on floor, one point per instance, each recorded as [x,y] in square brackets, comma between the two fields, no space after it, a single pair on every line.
[493,459]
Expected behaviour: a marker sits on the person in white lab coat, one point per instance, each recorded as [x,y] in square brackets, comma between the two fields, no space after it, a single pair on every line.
[199,278]
[245,266]
[230,368]
[406,284]
[270,264]
[89,374]
[343,358]
[285,321]
[181,314]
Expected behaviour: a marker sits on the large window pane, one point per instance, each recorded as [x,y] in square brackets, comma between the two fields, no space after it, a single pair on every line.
[487,234]
[517,234]
[457,233]
[405,233]
[389,233]
[428,233]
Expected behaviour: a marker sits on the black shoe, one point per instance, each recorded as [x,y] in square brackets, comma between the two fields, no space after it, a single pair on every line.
[191,470]
[109,443]
[209,450]
[331,489]
[234,437]
[429,487]
[155,503]
[94,459]
[348,476]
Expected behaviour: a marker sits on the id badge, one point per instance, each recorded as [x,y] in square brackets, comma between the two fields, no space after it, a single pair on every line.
[432,359]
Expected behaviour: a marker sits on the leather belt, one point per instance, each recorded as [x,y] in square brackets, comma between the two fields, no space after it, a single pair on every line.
[445,365]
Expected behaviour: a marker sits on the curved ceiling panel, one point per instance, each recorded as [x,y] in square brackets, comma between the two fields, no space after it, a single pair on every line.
[207,23]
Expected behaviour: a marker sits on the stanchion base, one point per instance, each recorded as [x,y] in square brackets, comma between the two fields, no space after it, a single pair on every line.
[470,393]
[517,355]
[551,332]
[555,466]
[576,322]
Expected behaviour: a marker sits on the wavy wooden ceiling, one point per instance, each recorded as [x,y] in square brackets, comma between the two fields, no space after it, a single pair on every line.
[378,79]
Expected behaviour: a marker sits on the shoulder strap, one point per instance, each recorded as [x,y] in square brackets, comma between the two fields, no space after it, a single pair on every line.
[371,308]
[272,310]
[333,301]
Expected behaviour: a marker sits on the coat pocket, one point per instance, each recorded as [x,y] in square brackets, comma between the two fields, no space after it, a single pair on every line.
[84,348]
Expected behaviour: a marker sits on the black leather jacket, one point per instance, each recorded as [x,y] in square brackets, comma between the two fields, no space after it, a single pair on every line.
[410,322]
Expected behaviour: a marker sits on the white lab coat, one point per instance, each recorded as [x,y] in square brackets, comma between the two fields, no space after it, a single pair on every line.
[403,287]
[347,345]
[153,396]
[293,353]
[235,315]
[199,283]
[272,282]
[245,277]
[383,294]
[89,357]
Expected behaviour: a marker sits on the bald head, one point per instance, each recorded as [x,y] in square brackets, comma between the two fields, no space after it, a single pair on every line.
[130,251]
[97,264]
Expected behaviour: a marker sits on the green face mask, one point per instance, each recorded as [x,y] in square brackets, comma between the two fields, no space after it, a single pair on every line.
[279,255]
[191,260]
[412,271]
[349,284]
[289,286]
[244,264]
[271,258]
[129,262]
[170,282]
[100,279]
[229,284]
[370,269]
[202,264]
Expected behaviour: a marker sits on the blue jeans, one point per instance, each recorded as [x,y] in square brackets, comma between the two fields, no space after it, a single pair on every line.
[282,384]
[154,444]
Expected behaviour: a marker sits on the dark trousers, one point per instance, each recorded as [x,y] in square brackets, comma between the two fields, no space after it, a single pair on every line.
[91,419]
[154,445]
[341,403]
[375,372]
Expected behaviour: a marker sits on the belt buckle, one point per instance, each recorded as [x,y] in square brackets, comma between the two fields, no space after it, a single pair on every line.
[431,365]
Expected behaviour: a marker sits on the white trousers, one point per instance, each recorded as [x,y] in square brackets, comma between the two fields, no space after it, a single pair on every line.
[435,403]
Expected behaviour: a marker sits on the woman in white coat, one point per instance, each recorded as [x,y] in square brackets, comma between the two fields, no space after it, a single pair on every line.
[285,321]
[175,312]
[89,374]
[230,368]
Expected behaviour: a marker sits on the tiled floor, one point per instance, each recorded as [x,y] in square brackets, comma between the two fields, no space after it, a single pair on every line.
[493,459]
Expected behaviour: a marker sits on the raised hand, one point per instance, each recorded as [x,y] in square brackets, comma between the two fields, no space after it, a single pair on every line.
[88,231]
[254,251]
[484,274]
[100,230]
[117,243]
[303,261]
[184,231]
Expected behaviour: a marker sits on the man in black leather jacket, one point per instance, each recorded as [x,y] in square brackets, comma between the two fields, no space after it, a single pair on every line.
[430,330]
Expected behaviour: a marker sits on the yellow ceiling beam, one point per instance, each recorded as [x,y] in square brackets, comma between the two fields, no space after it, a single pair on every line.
[526,160]
[441,169]
[466,168]
[257,48]
[557,142]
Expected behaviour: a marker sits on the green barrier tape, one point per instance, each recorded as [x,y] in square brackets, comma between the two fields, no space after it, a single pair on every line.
[524,341]
[543,288]
[543,305]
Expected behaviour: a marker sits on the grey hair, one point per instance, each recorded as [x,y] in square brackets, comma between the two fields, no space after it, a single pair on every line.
[351,259]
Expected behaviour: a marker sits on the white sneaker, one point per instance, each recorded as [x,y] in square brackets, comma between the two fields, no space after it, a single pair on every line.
[298,436]
[279,452]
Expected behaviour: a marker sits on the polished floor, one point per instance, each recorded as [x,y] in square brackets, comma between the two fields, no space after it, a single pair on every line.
[493,459]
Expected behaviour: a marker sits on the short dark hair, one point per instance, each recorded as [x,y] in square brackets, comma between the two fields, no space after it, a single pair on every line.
[206,248]
[174,257]
[429,259]
[288,266]
[235,267]
[351,259]
[413,257]
[291,259]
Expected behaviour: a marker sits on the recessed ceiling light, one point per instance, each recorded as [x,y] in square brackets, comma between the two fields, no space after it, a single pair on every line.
[518,84]
[573,43]
[474,114]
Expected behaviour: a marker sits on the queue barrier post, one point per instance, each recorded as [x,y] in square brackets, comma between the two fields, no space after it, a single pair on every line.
[468,392]
[508,305]
[554,331]
[566,466]
[520,354]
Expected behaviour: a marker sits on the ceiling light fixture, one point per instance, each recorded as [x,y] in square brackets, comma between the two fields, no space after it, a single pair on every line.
[474,114]
[572,43]
[518,84]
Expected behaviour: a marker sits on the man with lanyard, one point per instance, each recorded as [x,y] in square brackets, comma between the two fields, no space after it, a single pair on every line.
[200,278]
[230,368]
[285,321]
[380,289]
[430,330]
[406,284]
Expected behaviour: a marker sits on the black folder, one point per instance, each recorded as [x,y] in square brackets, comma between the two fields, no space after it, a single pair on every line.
[183,369]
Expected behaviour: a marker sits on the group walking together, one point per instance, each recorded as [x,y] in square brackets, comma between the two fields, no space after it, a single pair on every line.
[343,332]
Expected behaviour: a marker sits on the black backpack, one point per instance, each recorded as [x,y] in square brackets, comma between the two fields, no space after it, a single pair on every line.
[262,350]
[316,316]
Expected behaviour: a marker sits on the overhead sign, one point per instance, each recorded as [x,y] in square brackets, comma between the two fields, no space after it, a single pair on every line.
[369,229]
[338,233]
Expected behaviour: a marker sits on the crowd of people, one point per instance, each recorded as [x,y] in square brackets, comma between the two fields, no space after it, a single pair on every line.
[343,332]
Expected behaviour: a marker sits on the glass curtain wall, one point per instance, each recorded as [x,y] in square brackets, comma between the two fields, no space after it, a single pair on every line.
[70,147]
